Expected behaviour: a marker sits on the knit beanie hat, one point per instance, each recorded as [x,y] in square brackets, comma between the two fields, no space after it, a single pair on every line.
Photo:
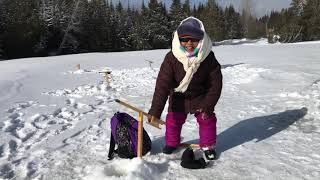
[190,27]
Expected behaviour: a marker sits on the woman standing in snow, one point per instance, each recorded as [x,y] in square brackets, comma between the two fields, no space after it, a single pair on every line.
[191,76]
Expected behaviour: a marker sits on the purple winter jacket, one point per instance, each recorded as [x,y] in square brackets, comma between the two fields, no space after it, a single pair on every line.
[203,91]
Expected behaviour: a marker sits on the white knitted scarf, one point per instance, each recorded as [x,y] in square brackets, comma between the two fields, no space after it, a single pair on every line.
[191,64]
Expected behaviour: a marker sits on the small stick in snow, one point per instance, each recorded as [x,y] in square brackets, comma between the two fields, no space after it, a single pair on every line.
[107,76]
[150,63]
[78,66]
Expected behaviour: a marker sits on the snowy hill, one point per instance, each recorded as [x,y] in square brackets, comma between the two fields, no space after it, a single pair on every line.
[54,118]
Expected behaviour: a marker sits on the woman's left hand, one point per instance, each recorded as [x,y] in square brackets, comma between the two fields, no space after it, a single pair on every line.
[204,114]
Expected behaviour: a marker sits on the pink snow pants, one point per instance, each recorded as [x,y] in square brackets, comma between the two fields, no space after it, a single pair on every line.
[207,129]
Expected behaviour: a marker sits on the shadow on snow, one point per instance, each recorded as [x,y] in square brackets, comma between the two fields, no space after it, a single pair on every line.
[258,128]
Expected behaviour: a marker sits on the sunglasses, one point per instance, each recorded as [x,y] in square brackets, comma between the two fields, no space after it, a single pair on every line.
[188,39]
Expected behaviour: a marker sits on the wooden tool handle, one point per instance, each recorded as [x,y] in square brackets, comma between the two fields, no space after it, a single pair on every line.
[156,123]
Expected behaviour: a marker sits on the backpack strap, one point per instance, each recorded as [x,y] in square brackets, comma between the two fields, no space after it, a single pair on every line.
[111,147]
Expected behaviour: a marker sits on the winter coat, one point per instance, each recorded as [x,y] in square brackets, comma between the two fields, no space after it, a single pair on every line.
[203,91]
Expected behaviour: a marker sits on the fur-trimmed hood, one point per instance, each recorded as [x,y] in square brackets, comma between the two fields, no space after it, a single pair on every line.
[192,64]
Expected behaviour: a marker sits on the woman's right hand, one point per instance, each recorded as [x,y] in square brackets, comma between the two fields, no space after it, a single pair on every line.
[151,118]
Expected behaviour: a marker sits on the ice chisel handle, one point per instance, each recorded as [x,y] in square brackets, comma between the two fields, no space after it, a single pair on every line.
[157,121]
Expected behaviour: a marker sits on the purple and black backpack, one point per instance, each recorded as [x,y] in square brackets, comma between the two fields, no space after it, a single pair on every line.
[124,135]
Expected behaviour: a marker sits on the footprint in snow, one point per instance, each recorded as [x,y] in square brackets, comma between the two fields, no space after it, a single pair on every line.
[32,168]
[39,121]
[21,105]
[6,171]
[14,124]
[70,102]
[13,146]
[7,150]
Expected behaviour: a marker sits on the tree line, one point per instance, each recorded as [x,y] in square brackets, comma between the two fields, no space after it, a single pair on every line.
[53,27]
[299,22]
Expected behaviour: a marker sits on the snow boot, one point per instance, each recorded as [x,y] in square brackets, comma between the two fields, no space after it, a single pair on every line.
[168,149]
[210,153]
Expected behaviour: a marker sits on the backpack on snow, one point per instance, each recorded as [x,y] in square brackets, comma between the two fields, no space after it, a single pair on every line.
[124,134]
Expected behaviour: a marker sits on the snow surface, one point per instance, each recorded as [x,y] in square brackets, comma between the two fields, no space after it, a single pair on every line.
[244,41]
[55,119]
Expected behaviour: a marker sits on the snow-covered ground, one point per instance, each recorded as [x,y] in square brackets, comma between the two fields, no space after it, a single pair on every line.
[55,119]
[244,41]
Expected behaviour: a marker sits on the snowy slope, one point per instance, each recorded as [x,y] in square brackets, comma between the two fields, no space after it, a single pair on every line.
[54,119]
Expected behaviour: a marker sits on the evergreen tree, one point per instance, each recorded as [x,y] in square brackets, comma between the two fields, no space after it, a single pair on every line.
[176,14]
[186,8]
[284,31]
[1,44]
[194,11]
[138,33]
[96,27]
[156,26]
[113,39]
[109,44]
[213,19]
[47,17]
[1,47]
[123,26]
[198,11]
[274,21]
[261,28]
[297,7]
[232,23]
[21,27]
[311,20]
[58,25]
[54,16]
[1,31]
[74,31]
[295,25]
[252,27]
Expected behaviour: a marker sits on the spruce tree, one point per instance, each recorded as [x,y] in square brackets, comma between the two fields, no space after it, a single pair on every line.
[1,31]
[123,26]
[1,47]
[284,31]
[311,20]
[70,42]
[297,7]
[197,10]
[213,20]
[139,35]
[186,8]
[295,25]
[1,43]
[274,21]
[21,27]
[232,23]
[96,27]
[176,14]
[46,16]
[113,27]
[51,12]
[157,27]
